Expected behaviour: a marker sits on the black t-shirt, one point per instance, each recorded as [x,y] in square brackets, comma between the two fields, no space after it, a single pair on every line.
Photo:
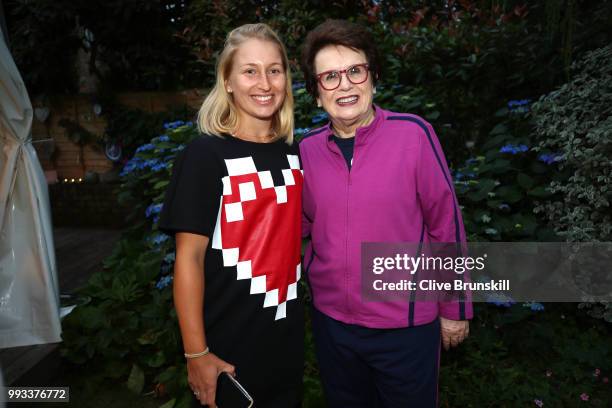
[246,197]
[346,146]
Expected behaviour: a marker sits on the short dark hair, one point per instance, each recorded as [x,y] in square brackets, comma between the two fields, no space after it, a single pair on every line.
[337,32]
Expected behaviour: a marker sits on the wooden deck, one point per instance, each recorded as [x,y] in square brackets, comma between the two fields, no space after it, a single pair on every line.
[79,253]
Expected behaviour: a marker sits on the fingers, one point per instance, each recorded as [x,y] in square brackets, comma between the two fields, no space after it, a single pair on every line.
[210,395]
[230,369]
[454,333]
[446,341]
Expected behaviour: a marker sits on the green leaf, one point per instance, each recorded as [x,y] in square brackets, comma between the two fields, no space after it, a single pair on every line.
[525,181]
[135,382]
[169,404]
[485,186]
[433,115]
[509,193]
[500,128]
[156,360]
[160,184]
[539,191]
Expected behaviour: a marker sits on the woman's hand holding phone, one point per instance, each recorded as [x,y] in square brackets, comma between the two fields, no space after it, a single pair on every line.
[202,374]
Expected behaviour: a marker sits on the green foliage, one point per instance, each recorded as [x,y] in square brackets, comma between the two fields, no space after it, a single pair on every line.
[126,328]
[500,187]
[515,356]
[44,45]
[128,44]
[133,127]
[575,121]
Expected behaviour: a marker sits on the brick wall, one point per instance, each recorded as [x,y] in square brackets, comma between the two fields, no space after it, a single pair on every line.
[69,160]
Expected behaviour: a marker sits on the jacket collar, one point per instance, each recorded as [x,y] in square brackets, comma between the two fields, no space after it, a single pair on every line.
[362,135]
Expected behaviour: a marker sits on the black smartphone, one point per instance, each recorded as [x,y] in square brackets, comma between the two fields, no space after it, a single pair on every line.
[231,394]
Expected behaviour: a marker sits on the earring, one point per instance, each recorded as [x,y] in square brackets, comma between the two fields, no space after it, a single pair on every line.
[229,90]
[319,104]
[374,91]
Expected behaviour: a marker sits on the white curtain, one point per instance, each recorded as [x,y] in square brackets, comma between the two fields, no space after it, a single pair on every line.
[29,291]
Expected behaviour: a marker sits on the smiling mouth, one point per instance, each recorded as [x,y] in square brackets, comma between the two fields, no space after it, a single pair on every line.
[348,100]
[262,99]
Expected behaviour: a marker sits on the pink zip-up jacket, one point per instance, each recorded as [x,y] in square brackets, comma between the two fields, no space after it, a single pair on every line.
[399,189]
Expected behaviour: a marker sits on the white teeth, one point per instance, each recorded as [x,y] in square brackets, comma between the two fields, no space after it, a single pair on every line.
[347,100]
[263,98]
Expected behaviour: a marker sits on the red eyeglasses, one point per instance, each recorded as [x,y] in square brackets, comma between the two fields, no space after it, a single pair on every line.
[356,74]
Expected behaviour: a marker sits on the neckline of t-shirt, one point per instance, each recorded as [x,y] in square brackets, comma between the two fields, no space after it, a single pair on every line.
[344,140]
[250,142]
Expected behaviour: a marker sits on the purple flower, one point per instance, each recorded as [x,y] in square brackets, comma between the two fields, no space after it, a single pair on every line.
[597,372]
[504,206]
[584,396]
[538,402]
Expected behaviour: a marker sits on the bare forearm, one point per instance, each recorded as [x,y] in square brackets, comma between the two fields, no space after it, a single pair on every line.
[188,301]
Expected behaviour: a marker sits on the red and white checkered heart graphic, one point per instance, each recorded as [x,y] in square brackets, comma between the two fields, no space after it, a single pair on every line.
[258,229]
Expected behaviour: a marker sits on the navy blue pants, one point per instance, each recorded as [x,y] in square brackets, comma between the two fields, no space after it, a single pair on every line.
[375,368]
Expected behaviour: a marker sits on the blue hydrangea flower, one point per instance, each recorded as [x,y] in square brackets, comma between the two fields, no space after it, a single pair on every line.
[458,175]
[301,131]
[321,117]
[178,148]
[163,138]
[170,257]
[153,209]
[501,300]
[504,206]
[298,85]
[174,125]
[550,158]
[514,149]
[145,147]
[158,239]
[534,306]
[159,166]
[136,163]
[163,282]
[520,106]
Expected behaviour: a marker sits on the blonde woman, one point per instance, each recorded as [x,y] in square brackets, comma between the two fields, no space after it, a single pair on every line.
[234,206]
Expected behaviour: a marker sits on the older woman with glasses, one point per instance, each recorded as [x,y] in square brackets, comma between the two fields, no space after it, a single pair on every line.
[371,175]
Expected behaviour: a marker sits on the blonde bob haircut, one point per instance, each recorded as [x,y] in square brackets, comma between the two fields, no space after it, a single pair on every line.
[218,114]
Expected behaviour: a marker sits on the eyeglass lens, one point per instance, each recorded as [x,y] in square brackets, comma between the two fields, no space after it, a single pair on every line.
[356,74]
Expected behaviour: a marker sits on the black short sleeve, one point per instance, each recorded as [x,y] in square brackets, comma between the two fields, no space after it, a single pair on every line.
[192,198]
